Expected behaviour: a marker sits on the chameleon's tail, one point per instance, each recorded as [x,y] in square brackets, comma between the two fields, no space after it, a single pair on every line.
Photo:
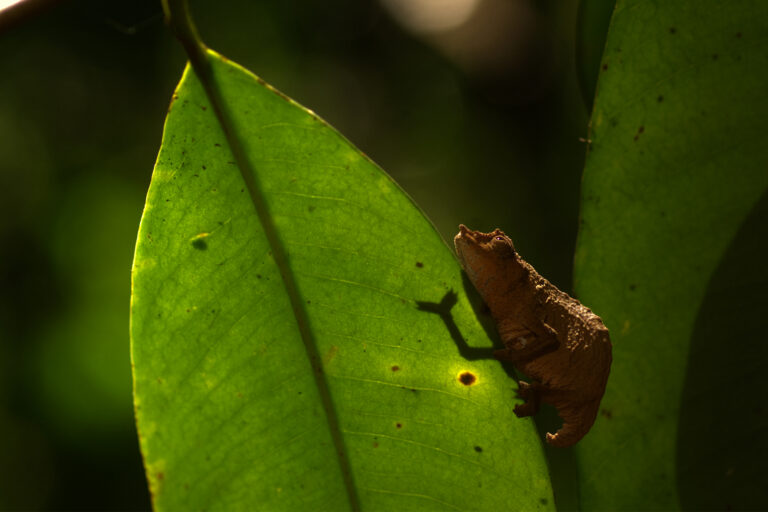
[577,420]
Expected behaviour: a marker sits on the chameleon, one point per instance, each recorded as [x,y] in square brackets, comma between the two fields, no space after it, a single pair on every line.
[561,345]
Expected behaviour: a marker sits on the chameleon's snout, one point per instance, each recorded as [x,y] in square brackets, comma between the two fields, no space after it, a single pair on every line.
[460,241]
[464,235]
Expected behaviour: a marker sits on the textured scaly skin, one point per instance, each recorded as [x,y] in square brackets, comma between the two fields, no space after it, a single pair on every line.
[561,345]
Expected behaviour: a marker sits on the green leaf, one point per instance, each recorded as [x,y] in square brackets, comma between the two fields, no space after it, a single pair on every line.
[678,162]
[342,392]
[591,31]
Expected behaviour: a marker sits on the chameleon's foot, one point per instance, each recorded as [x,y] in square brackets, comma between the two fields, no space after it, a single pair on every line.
[574,427]
[528,393]
[523,390]
[577,421]
[503,354]
[563,438]
[526,409]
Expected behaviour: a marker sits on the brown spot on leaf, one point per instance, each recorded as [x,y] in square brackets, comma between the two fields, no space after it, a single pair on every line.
[606,413]
[467,378]
[672,30]
[160,476]
[478,449]
[283,96]
[605,67]
[660,98]
[399,425]
[419,264]
[395,368]
[375,444]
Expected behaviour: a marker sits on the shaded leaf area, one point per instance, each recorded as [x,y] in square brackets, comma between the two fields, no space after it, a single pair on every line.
[721,441]
[233,408]
[591,31]
[677,163]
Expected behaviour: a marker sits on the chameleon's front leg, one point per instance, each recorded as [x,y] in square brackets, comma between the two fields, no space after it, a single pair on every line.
[525,344]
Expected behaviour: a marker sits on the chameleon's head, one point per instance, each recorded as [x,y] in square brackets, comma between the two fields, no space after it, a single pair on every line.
[489,259]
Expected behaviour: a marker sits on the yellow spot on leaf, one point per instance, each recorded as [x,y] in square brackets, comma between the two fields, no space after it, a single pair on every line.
[330,355]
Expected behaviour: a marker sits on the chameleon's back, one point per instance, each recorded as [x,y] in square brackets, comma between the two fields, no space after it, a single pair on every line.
[582,362]
[574,376]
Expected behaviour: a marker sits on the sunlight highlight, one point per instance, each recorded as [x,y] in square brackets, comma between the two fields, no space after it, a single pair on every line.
[431,15]
[4,4]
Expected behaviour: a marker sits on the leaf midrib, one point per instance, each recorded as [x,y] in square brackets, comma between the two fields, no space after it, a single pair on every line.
[200,60]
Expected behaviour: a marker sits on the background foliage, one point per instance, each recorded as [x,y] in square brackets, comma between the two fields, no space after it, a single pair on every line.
[487,138]
[673,214]
[85,91]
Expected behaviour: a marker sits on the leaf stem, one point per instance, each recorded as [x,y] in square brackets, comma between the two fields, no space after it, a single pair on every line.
[179,19]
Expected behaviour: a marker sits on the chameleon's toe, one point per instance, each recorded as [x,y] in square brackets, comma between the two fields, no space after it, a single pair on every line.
[523,390]
[523,410]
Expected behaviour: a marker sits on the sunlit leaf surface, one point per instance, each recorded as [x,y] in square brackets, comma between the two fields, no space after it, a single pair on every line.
[237,407]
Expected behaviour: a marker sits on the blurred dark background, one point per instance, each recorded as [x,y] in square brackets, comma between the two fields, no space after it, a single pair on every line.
[471,105]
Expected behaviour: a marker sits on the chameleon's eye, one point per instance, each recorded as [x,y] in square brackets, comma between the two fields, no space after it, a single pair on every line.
[502,245]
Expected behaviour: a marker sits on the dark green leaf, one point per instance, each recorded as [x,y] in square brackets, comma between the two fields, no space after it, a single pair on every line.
[678,161]
[591,31]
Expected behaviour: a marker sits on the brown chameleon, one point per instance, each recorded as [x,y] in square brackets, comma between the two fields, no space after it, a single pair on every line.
[561,345]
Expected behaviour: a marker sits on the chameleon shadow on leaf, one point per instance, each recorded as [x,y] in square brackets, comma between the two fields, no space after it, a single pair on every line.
[562,464]
[443,310]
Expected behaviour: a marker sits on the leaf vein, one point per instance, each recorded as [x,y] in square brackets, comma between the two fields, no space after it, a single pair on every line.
[413,495]
[416,443]
[404,386]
